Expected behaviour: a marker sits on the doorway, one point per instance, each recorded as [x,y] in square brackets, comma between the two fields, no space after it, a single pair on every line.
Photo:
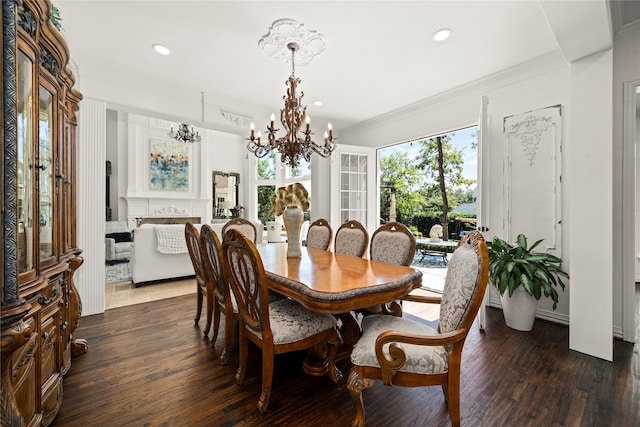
[410,194]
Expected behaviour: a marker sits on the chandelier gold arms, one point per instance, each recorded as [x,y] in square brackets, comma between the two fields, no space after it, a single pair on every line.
[297,141]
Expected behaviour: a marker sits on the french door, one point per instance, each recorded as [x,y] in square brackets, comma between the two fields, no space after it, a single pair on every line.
[355,191]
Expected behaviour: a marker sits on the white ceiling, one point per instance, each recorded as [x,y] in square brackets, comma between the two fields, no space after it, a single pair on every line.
[380,55]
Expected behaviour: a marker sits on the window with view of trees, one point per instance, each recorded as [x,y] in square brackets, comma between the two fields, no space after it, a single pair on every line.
[433,181]
[271,175]
[266,187]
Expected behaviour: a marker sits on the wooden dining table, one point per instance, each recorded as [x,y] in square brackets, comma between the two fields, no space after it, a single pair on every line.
[334,283]
[338,284]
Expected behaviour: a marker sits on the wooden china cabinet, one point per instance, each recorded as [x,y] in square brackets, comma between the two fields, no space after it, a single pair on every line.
[40,305]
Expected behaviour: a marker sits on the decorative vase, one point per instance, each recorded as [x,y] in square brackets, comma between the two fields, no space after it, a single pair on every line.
[519,309]
[292,218]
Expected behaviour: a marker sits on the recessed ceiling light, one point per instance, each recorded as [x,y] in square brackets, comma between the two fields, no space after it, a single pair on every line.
[442,34]
[162,50]
[318,103]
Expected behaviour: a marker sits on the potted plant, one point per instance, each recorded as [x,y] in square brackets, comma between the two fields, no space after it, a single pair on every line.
[526,275]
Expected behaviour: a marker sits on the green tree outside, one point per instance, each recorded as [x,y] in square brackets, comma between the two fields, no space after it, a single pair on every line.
[424,182]
[400,170]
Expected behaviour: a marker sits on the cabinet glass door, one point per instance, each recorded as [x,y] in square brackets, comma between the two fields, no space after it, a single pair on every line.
[26,163]
[45,158]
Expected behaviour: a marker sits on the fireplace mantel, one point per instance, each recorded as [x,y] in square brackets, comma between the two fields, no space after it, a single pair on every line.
[142,210]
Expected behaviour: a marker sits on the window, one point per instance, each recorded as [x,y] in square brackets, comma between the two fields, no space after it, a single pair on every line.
[272,174]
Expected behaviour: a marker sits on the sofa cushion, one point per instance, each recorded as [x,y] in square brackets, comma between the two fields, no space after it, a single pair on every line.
[123,247]
[124,236]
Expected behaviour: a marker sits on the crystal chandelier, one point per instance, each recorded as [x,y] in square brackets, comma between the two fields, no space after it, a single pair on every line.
[185,133]
[296,143]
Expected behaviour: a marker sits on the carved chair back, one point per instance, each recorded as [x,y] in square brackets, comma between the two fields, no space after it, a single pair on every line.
[393,243]
[203,286]
[351,239]
[319,235]
[248,281]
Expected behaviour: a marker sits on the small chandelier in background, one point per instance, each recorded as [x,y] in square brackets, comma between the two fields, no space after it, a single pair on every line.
[185,133]
[297,142]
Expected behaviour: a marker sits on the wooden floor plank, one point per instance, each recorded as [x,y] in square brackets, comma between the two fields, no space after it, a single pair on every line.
[148,365]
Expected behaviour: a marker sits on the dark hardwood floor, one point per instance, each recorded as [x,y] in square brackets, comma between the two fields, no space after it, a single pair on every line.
[148,365]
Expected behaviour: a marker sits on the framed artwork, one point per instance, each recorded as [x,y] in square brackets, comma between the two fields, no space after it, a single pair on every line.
[169,164]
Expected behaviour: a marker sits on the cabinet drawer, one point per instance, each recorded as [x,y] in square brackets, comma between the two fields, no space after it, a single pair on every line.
[50,296]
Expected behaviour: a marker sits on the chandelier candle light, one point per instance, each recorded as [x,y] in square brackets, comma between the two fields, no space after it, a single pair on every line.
[185,133]
[293,117]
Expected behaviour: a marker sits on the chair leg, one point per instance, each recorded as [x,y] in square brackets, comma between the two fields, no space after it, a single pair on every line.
[228,338]
[216,323]
[453,398]
[209,314]
[199,304]
[356,385]
[244,352]
[267,379]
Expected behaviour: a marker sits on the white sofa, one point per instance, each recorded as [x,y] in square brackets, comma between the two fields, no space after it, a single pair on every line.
[117,246]
[147,264]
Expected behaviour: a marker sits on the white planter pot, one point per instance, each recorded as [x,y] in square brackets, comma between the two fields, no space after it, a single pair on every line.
[519,309]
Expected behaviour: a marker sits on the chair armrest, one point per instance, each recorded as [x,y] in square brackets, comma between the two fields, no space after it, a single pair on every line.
[390,364]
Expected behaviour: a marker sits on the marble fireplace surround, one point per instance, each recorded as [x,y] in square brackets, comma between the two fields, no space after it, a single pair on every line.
[142,210]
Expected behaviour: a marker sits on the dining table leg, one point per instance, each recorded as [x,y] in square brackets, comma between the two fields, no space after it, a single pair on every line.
[316,362]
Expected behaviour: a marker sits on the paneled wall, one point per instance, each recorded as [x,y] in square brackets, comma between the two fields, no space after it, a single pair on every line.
[91,191]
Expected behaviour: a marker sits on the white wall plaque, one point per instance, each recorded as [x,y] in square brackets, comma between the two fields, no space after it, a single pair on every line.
[532,168]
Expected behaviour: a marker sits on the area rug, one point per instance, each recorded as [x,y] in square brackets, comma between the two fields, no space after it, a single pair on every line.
[118,272]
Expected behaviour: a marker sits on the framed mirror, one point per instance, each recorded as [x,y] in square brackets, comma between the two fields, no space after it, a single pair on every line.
[225,193]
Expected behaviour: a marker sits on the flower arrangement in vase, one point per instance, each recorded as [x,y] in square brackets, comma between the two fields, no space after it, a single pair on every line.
[291,202]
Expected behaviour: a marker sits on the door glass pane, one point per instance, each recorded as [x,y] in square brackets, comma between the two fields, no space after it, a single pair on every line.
[25,163]
[353,187]
[362,164]
[45,159]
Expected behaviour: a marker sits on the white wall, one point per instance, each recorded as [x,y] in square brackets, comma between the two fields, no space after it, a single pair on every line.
[590,194]
[540,83]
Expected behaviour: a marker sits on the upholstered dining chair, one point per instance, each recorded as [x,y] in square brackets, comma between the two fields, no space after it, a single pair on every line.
[392,243]
[351,239]
[216,279]
[402,352]
[319,235]
[243,225]
[204,290]
[280,327]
